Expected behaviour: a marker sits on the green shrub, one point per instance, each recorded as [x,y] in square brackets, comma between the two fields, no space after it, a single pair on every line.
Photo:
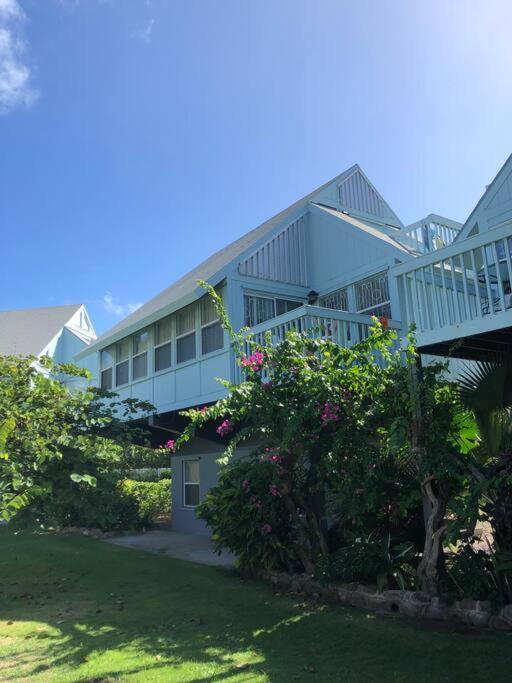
[472,573]
[152,498]
[370,559]
[247,516]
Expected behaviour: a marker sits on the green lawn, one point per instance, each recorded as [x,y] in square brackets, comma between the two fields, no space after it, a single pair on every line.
[75,609]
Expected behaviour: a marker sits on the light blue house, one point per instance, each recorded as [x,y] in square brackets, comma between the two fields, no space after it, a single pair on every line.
[59,332]
[329,262]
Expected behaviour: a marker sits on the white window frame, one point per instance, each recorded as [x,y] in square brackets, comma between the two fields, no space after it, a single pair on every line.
[186,334]
[170,340]
[108,367]
[342,291]
[383,275]
[141,353]
[121,362]
[216,321]
[190,483]
[273,298]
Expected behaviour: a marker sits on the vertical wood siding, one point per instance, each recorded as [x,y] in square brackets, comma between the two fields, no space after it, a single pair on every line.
[282,258]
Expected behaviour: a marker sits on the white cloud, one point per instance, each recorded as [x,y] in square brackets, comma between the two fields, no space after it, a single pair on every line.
[15,82]
[145,32]
[118,309]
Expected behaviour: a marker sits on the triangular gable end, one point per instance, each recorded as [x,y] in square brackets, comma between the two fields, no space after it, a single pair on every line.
[358,195]
[495,205]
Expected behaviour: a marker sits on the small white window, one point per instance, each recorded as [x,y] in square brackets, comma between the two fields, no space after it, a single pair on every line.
[122,362]
[107,364]
[212,334]
[140,354]
[190,483]
[336,300]
[258,309]
[186,334]
[163,333]
[372,296]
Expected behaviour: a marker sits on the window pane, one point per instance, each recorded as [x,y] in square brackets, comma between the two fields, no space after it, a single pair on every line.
[337,300]
[163,331]
[186,347]
[258,309]
[163,357]
[208,312]
[191,468]
[122,350]
[212,338]
[372,292]
[107,358]
[140,366]
[285,305]
[140,342]
[191,495]
[122,372]
[106,379]
[185,320]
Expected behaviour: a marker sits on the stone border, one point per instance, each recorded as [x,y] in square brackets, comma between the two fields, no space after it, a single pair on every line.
[414,604]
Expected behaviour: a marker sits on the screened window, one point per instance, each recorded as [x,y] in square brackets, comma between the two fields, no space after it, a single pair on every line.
[258,309]
[140,354]
[122,362]
[337,300]
[190,483]
[372,296]
[212,334]
[163,332]
[186,335]
[106,365]
[285,305]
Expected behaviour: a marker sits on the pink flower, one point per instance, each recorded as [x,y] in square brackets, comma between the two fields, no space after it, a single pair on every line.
[266,529]
[253,362]
[204,409]
[225,428]
[170,446]
[274,490]
[330,413]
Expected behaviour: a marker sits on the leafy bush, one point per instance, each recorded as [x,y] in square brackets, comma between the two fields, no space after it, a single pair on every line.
[152,498]
[472,573]
[248,516]
[370,559]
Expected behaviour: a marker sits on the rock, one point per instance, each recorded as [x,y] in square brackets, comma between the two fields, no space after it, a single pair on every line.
[437,609]
[500,624]
[506,613]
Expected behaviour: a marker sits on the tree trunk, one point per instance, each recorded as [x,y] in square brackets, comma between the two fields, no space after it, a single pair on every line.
[428,569]
[434,503]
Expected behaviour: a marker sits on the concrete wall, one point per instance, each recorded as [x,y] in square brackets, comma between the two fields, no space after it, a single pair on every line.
[184,518]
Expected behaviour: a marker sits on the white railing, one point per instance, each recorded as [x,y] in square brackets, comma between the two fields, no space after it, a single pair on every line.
[429,234]
[465,286]
[341,327]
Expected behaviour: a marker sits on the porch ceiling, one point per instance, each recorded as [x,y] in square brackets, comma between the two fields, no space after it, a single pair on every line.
[485,346]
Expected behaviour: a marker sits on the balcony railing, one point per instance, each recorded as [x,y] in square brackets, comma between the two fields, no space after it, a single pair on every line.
[341,327]
[429,234]
[462,289]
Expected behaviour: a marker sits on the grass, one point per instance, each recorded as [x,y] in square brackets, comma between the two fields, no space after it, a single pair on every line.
[75,609]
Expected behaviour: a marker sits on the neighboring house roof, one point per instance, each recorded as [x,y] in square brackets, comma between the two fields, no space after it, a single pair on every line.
[490,190]
[30,330]
[206,270]
[365,227]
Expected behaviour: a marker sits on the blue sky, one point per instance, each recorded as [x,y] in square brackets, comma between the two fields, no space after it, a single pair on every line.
[139,136]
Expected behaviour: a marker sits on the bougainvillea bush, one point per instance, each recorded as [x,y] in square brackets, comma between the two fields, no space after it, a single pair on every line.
[351,441]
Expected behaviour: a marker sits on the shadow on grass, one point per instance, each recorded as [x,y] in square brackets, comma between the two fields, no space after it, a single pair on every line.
[106,612]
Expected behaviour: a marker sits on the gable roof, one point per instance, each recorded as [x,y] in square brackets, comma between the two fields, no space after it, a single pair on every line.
[487,196]
[28,331]
[186,288]
[364,227]
[358,194]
